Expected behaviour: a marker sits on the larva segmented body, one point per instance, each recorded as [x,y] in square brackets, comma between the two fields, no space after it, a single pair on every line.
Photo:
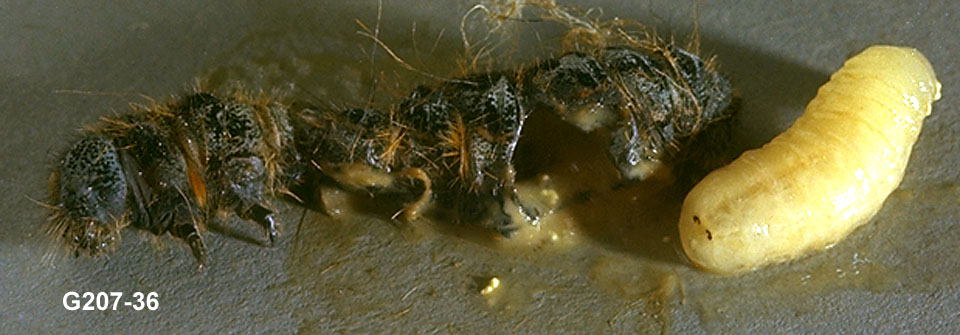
[169,168]
[828,174]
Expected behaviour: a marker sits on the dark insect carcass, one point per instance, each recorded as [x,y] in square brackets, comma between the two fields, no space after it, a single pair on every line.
[170,168]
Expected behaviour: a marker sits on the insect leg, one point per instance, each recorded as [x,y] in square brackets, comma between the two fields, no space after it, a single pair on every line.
[189,233]
[244,179]
[412,210]
[175,212]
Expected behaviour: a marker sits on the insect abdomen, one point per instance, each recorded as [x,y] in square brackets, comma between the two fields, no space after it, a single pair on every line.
[91,194]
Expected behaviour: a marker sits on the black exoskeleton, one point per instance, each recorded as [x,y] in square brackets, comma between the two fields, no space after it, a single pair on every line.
[171,168]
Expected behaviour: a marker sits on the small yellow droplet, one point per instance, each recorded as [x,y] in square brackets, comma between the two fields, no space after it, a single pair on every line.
[491,286]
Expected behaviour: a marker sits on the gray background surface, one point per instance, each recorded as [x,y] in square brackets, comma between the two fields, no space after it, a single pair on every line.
[65,64]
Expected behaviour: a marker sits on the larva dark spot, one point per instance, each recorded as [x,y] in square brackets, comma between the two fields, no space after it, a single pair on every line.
[696,219]
[709,235]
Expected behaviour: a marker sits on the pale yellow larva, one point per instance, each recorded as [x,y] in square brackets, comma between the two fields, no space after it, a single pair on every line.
[822,178]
